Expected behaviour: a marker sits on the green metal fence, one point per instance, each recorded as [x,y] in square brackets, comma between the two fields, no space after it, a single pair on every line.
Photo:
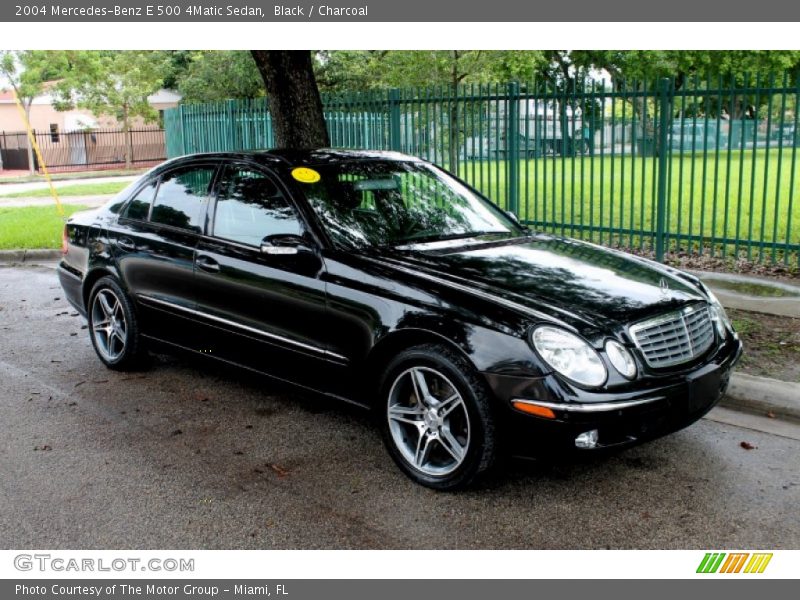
[703,166]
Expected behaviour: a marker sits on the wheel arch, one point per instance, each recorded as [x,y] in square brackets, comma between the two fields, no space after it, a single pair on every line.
[92,277]
[392,344]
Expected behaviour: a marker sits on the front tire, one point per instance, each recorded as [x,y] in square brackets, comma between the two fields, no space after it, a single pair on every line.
[436,418]
[114,328]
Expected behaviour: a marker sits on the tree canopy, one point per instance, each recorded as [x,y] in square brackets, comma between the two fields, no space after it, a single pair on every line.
[354,70]
[213,75]
[28,73]
[115,84]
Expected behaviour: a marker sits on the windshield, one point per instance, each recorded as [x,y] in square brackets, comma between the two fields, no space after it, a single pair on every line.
[391,203]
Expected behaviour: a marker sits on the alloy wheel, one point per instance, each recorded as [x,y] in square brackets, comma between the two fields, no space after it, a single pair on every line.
[109,327]
[428,421]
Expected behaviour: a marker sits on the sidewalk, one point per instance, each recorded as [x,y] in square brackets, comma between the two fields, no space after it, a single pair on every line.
[15,188]
[759,395]
[787,305]
[8,174]
[91,201]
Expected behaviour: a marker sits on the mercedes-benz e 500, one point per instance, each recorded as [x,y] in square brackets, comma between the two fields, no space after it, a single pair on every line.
[402,289]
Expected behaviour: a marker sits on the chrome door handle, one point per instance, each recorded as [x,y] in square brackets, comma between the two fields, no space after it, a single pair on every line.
[206,263]
[126,244]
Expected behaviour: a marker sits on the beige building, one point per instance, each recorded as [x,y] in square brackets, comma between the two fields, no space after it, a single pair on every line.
[77,139]
[45,118]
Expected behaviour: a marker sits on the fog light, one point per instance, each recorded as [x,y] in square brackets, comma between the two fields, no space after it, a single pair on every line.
[622,360]
[586,440]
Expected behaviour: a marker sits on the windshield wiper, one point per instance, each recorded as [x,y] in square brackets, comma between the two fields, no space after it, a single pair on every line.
[449,236]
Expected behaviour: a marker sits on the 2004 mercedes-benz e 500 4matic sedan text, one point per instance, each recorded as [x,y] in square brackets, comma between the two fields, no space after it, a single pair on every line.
[402,289]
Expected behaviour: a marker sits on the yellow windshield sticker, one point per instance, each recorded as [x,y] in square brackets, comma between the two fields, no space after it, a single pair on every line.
[305,175]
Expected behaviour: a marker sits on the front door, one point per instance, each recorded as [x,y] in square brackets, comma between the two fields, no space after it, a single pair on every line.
[263,310]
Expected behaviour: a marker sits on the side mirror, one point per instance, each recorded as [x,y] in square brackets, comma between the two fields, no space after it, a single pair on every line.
[283,244]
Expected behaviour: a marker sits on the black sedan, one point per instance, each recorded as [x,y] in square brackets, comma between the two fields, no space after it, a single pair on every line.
[382,280]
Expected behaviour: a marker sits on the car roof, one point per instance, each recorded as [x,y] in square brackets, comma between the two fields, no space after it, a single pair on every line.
[291,157]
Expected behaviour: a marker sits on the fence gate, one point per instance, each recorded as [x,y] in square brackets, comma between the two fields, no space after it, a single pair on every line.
[13,152]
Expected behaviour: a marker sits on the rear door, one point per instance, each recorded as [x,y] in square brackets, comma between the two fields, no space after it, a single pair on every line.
[154,246]
[264,310]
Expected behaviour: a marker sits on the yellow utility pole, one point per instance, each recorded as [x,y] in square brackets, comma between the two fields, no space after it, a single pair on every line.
[38,152]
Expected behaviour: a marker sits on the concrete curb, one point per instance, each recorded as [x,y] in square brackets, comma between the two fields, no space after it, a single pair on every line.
[763,396]
[28,256]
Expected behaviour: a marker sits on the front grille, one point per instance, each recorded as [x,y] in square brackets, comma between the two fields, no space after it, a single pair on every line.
[675,337]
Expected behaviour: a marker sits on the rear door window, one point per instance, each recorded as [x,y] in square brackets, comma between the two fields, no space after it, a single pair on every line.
[139,206]
[182,196]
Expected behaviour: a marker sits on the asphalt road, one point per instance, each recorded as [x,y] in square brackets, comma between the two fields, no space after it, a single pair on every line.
[191,456]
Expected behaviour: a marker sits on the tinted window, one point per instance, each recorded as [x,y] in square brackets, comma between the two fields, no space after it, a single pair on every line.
[250,207]
[139,207]
[181,198]
[377,203]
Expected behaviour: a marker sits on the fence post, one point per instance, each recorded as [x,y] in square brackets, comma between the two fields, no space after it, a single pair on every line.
[183,130]
[512,147]
[394,119]
[232,125]
[664,88]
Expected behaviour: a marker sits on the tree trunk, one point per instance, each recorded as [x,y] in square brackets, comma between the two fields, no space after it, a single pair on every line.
[126,128]
[28,145]
[645,129]
[453,133]
[294,100]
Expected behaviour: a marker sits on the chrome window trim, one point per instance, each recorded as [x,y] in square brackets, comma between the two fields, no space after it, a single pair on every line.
[243,327]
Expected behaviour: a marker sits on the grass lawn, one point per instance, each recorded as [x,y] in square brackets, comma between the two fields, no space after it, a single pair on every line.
[32,226]
[82,189]
[750,195]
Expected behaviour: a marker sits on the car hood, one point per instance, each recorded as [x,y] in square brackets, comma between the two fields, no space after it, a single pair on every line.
[571,281]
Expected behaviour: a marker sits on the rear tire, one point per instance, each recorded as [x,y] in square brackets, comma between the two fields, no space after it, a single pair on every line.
[435,417]
[114,328]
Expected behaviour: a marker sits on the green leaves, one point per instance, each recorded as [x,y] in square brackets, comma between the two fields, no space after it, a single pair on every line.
[349,70]
[353,70]
[28,71]
[212,76]
[116,84]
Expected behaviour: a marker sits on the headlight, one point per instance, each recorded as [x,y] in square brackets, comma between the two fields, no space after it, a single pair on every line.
[622,360]
[569,355]
[721,321]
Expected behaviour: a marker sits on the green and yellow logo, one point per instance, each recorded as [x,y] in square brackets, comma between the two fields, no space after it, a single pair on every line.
[734,562]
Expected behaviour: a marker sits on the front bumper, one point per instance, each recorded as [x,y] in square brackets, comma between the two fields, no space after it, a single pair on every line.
[644,410]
